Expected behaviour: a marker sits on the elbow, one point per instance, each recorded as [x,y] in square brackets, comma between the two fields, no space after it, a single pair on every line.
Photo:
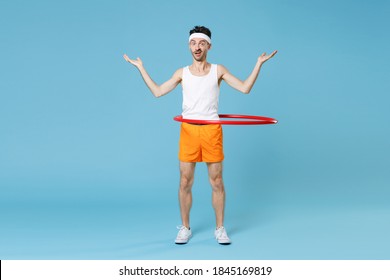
[157,94]
[246,90]
[160,94]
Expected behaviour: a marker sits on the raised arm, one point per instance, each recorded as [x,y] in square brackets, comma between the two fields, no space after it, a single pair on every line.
[157,90]
[244,86]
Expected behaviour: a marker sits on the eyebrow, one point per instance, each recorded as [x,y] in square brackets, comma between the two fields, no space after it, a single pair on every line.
[201,41]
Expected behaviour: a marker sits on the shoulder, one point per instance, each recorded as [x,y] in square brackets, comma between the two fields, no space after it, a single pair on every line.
[178,73]
[222,70]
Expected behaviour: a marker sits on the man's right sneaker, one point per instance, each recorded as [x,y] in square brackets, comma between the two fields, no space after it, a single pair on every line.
[183,236]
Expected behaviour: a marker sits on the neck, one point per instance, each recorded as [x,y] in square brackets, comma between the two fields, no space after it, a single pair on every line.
[199,66]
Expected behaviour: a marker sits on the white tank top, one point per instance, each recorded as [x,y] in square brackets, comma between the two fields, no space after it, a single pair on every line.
[200,95]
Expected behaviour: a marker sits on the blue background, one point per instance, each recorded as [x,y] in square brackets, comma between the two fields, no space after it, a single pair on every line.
[88,158]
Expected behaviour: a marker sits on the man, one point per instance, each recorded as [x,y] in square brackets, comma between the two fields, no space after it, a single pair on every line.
[201,143]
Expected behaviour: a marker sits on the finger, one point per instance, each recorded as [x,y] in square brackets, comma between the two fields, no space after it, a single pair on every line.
[271,55]
[132,61]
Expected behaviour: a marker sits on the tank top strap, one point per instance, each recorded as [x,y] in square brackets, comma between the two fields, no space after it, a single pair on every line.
[214,69]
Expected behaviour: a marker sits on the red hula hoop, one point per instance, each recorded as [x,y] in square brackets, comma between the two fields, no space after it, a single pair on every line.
[248,120]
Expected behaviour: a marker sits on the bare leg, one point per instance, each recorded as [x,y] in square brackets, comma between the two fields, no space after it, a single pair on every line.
[218,196]
[187,170]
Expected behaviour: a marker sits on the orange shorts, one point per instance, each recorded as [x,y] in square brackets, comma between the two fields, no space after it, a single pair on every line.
[201,143]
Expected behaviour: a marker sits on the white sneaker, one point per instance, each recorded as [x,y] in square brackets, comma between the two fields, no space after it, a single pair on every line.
[183,236]
[221,236]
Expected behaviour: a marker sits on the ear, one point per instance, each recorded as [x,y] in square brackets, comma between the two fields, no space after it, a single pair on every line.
[209,46]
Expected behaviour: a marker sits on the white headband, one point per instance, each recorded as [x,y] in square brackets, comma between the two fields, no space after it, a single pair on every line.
[200,35]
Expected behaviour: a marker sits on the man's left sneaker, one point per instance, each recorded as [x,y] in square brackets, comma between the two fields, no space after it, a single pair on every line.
[221,236]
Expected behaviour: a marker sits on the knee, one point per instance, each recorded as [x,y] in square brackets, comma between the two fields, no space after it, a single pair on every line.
[186,183]
[217,183]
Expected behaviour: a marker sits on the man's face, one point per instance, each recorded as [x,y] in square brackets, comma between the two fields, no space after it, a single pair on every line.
[199,48]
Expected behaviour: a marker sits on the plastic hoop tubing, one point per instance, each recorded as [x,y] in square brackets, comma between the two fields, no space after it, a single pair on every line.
[248,120]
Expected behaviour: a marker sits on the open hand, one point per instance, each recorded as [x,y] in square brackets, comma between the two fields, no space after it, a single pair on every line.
[136,62]
[264,57]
